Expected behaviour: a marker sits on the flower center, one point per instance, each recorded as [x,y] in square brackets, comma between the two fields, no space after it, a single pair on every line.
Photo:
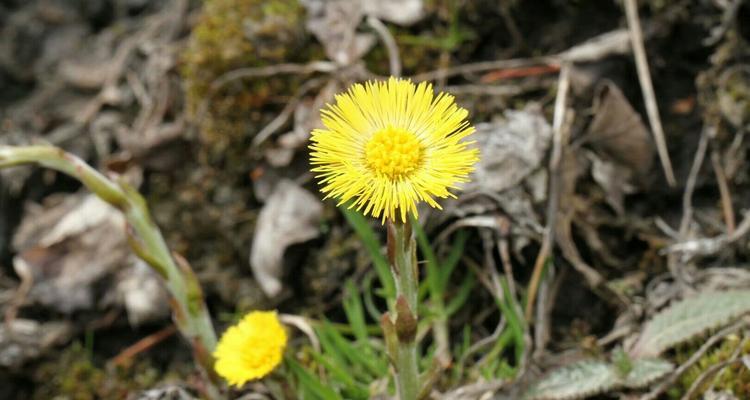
[393,152]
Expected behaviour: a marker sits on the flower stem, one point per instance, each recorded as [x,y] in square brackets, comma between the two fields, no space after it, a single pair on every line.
[188,308]
[402,255]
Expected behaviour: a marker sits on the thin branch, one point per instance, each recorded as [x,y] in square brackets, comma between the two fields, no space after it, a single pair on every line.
[126,356]
[726,196]
[647,87]
[554,187]
[280,120]
[389,42]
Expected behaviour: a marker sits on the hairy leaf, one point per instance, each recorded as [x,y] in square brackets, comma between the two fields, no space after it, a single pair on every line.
[576,381]
[646,371]
[689,319]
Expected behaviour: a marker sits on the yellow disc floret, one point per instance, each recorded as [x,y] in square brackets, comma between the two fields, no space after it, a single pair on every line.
[393,152]
[251,349]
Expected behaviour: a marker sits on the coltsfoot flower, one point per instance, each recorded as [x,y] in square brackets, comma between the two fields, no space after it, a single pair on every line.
[388,145]
[251,349]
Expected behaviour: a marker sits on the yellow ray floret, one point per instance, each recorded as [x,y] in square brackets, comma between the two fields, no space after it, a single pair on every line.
[251,349]
[388,145]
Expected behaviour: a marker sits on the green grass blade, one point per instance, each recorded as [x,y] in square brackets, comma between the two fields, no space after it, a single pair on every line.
[365,232]
[355,313]
[311,383]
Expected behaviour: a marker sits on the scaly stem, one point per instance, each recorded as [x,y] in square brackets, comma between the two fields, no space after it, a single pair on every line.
[188,309]
[402,255]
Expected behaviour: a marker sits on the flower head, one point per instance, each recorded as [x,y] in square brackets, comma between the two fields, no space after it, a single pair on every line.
[251,349]
[388,145]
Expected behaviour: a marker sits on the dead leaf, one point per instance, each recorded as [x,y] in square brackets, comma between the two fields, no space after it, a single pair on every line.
[69,247]
[334,23]
[73,246]
[400,12]
[141,292]
[617,130]
[291,215]
[511,149]
[614,179]
[23,340]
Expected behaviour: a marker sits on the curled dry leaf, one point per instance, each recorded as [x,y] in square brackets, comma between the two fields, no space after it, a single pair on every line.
[511,149]
[22,340]
[618,132]
[68,248]
[334,23]
[400,12]
[71,248]
[291,215]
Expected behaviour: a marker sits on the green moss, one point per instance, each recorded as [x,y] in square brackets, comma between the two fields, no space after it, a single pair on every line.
[734,378]
[74,375]
[233,34]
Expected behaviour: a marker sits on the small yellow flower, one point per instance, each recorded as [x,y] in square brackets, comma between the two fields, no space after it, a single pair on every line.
[251,349]
[388,145]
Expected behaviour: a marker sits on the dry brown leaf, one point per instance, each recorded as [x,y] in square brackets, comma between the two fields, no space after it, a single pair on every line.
[617,130]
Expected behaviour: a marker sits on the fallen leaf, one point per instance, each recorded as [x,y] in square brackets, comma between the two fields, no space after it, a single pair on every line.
[75,251]
[23,340]
[617,130]
[69,247]
[291,215]
[400,12]
[334,23]
[511,149]
[140,290]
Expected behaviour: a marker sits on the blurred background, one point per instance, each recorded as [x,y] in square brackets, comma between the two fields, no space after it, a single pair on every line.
[206,108]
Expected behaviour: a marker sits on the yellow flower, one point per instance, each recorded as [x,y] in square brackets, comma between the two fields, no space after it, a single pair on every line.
[251,349]
[388,145]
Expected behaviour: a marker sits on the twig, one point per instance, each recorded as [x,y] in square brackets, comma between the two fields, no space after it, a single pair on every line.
[284,115]
[260,72]
[504,252]
[726,196]
[647,87]
[554,187]
[480,344]
[667,383]
[596,48]
[271,70]
[687,196]
[483,66]
[475,390]
[687,205]
[125,357]
[512,73]
[389,42]
[709,246]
